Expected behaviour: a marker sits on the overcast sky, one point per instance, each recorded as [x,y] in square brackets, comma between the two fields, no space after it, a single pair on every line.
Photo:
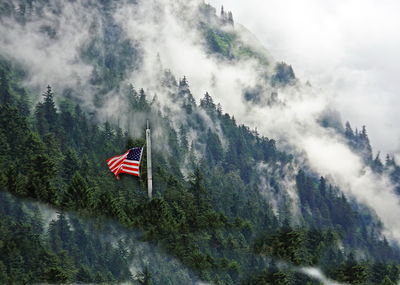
[349,48]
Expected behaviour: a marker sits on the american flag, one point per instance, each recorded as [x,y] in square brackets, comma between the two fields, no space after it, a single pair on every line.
[128,163]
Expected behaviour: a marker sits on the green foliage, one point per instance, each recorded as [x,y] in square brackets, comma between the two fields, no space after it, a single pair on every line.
[63,255]
[359,142]
[219,42]
[209,213]
[227,44]
[283,75]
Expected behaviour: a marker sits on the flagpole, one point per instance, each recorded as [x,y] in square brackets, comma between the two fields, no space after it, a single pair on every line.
[149,174]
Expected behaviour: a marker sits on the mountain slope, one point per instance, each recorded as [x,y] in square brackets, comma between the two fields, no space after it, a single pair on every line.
[230,204]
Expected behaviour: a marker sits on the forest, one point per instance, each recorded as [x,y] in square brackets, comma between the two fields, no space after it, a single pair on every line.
[222,210]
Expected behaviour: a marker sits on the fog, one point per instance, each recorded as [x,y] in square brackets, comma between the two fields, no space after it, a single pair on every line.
[348,48]
[294,122]
[315,273]
[167,30]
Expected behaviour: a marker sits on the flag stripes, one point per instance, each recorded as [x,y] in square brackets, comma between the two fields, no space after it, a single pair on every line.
[128,163]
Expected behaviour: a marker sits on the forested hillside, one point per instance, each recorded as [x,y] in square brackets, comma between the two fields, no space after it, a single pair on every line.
[230,205]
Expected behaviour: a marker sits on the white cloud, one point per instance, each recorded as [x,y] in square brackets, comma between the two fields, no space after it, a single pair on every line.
[55,59]
[314,37]
[347,47]
[294,122]
[317,274]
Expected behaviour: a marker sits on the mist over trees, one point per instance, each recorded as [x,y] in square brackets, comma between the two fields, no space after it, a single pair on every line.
[231,205]
[62,167]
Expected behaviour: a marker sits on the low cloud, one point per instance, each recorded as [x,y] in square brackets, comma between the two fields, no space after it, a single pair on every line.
[317,274]
[293,122]
[349,48]
[49,46]
[166,28]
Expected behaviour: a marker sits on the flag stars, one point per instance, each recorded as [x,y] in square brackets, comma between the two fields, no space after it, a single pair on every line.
[134,153]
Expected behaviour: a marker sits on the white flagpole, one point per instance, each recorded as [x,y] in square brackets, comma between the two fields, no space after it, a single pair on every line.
[149,175]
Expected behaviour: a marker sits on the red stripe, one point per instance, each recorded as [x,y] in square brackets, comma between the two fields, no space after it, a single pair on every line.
[118,171]
[112,159]
[134,174]
[126,153]
[131,163]
[116,162]
[111,162]
[117,166]
[130,168]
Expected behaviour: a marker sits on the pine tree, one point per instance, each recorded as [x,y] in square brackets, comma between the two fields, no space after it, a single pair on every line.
[184,144]
[142,101]
[185,96]
[387,281]
[387,161]
[183,82]
[133,96]
[60,233]
[214,151]
[365,146]
[219,109]
[322,186]
[377,164]
[207,103]
[5,96]
[349,131]
[198,190]
[230,18]
[77,193]
[46,114]
[50,109]
[70,163]
[354,273]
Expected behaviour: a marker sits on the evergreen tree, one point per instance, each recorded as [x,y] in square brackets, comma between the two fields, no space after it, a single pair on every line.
[60,233]
[198,190]
[217,222]
[377,164]
[77,193]
[322,186]
[387,281]
[185,96]
[50,111]
[349,131]
[46,113]
[207,103]
[364,145]
[70,163]
[230,18]
[214,152]
[143,105]
[4,89]
[184,144]
[283,75]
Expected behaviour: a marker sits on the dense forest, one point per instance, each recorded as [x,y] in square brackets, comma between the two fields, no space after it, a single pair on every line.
[222,210]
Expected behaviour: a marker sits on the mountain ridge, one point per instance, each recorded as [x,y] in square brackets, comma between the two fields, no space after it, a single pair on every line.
[209,209]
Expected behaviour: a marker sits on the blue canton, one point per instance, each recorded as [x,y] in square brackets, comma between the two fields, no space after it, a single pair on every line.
[134,154]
